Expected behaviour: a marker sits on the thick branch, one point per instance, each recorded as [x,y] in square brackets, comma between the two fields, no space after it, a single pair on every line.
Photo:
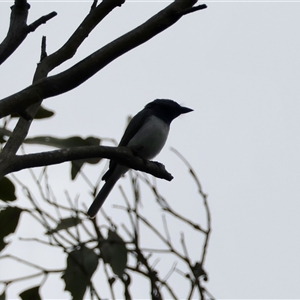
[121,155]
[48,63]
[69,49]
[18,29]
[85,69]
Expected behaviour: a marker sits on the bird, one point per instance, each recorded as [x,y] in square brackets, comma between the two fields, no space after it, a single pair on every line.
[145,135]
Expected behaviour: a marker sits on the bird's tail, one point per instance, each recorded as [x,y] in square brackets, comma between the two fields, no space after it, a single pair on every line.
[102,195]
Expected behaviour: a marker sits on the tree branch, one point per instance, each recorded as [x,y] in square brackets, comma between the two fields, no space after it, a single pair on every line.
[18,29]
[122,155]
[82,71]
[68,50]
[193,9]
[42,20]
[48,63]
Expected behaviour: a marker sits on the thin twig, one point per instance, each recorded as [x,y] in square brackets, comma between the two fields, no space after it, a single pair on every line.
[205,202]
[42,20]
[166,229]
[110,282]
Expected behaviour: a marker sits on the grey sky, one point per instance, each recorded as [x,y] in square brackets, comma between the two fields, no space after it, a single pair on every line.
[237,65]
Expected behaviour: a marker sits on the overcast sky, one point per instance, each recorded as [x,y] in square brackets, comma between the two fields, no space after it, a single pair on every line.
[237,65]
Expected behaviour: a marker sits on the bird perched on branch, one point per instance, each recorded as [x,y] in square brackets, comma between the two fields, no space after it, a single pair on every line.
[145,135]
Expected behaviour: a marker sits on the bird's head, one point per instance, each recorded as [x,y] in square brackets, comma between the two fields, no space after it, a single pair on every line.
[167,109]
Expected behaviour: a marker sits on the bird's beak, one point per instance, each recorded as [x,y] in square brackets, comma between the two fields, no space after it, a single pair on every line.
[185,110]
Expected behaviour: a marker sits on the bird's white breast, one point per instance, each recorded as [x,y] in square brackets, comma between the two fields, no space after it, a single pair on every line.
[150,138]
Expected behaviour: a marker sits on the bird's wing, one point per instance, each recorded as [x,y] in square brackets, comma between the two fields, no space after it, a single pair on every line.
[134,125]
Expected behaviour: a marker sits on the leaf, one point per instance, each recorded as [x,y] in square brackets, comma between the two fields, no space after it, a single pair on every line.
[9,219]
[42,113]
[74,141]
[114,253]
[65,224]
[76,165]
[30,294]
[7,190]
[198,271]
[81,264]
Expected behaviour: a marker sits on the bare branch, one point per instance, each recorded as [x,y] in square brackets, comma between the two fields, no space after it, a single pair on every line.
[122,155]
[43,48]
[18,29]
[82,71]
[42,20]
[183,219]
[28,263]
[193,9]
[68,50]
[205,202]
[50,62]
[94,4]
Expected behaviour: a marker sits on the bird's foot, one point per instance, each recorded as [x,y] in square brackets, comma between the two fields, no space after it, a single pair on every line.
[136,149]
